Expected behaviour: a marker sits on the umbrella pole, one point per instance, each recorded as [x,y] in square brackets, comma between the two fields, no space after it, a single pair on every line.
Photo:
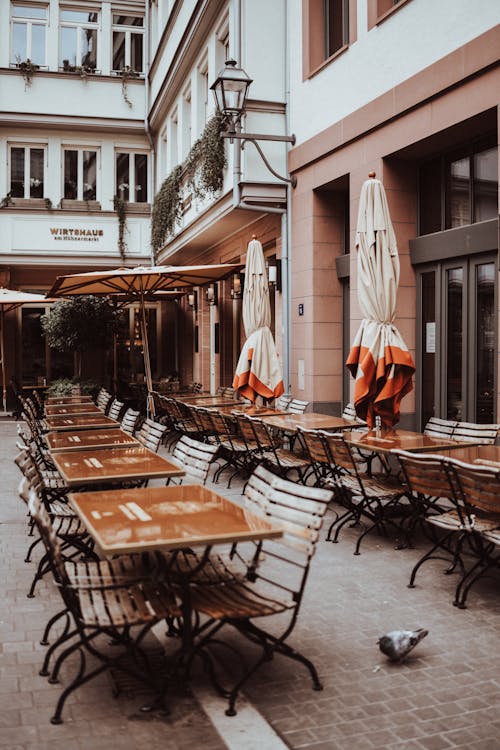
[150,407]
[2,353]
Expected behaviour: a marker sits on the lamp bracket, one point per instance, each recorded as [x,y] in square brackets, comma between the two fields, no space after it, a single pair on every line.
[232,134]
[291,180]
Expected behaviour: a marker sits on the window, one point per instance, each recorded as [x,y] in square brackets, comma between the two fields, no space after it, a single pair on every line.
[80,172]
[29,24]
[174,129]
[132,177]
[186,123]
[128,35]
[459,189]
[78,44]
[336,24]
[328,28]
[202,95]
[27,171]
[379,10]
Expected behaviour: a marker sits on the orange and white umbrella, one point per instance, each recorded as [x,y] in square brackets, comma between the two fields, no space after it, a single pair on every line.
[258,372]
[379,358]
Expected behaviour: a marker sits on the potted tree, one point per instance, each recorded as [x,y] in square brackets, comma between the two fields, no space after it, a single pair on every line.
[78,325]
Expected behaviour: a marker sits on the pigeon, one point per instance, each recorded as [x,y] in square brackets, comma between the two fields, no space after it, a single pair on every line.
[398,643]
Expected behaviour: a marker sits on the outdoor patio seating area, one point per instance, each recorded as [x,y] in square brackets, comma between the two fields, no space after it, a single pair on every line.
[184,536]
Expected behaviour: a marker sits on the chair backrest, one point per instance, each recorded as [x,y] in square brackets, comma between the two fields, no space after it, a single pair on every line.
[49,537]
[340,452]
[479,486]
[314,444]
[426,474]
[195,457]
[282,402]
[296,406]
[262,433]
[151,434]
[298,509]
[129,421]
[439,428]
[116,409]
[103,399]
[349,413]
[473,432]
[246,430]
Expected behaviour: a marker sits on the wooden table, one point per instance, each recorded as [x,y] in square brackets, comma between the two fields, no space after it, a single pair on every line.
[113,465]
[471,454]
[288,422]
[88,440]
[251,410]
[405,440]
[60,400]
[63,409]
[80,422]
[210,401]
[166,518]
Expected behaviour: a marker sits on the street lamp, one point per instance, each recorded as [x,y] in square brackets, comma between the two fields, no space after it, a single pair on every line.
[230,91]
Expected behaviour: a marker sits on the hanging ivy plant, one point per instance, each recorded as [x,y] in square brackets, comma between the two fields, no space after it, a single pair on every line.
[202,172]
[120,207]
[127,73]
[27,70]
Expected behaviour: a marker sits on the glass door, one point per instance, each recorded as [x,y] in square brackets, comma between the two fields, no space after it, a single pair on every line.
[457,340]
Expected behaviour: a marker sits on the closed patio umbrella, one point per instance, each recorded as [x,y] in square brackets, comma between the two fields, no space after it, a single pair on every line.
[258,372]
[379,358]
[137,285]
[9,300]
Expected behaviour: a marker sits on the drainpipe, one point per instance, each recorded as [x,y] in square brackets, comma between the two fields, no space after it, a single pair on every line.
[151,179]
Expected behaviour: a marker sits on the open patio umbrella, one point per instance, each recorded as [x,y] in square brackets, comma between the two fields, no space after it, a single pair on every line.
[258,372]
[138,285]
[379,358]
[9,300]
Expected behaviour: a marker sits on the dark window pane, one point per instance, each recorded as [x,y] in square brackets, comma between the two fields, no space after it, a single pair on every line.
[141,178]
[77,16]
[38,44]
[430,197]
[485,342]
[33,345]
[335,25]
[136,52]
[71,175]
[89,48]
[459,193]
[122,176]
[118,50]
[17,172]
[428,343]
[36,173]
[19,32]
[486,185]
[454,406]
[128,20]
[89,175]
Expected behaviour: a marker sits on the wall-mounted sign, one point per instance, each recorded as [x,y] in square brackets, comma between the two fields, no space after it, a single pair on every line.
[430,338]
[301,309]
[75,233]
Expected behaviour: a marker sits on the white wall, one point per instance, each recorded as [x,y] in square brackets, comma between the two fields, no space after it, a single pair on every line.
[415,36]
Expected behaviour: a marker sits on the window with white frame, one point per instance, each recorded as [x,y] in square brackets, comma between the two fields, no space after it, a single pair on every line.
[132,176]
[78,41]
[128,39]
[80,174]
[27,171]
[222,47]
[28,30]
[174,130]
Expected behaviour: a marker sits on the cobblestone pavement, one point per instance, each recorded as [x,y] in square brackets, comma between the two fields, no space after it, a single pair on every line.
[444,696]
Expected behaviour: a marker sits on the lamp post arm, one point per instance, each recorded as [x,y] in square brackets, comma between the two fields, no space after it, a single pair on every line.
[258,137]
[292,180]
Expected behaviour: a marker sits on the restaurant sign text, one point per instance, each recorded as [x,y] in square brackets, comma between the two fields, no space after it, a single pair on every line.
[75,233]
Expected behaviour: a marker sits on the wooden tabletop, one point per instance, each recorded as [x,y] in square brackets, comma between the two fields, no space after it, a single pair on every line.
[87,439]
[252,410]
[112,465]
[166,518]
[210,401]
[477,454]
[61,400]
[59,409]
[288,422]
[406,440]
[80,422]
